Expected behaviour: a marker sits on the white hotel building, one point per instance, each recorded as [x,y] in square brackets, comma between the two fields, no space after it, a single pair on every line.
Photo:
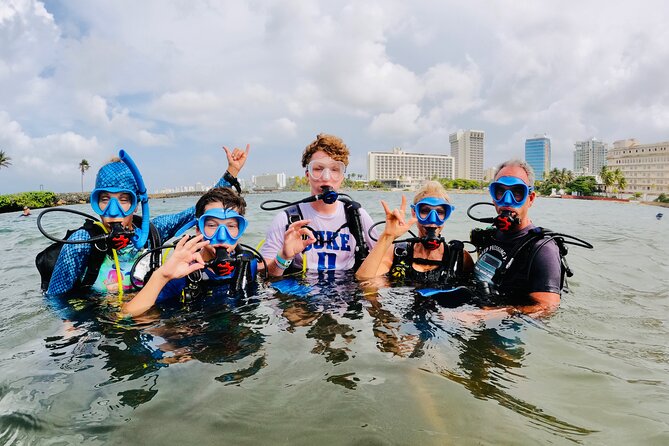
[645,166]
[402,169]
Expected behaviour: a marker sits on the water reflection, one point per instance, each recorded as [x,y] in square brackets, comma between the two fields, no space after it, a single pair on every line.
[321,301]
[132,352]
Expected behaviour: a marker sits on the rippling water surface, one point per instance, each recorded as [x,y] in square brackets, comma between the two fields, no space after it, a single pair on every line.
[349,363]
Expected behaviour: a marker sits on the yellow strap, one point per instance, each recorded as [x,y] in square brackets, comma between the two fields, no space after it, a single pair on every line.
[119,276]
[262,242]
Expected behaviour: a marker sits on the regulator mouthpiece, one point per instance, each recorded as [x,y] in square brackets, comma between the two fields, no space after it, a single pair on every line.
[506,220]
[328,195]
[431,240]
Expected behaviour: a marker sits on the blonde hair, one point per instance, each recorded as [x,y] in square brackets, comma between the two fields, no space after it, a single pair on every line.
[431,189]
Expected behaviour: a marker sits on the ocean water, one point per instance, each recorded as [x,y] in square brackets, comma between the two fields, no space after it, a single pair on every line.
[351,363]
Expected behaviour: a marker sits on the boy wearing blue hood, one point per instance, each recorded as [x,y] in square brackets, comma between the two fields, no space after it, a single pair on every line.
[105,267]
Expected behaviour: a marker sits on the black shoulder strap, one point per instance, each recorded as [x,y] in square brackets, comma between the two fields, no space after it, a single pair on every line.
[352,212]
[402,252]
[456,257]
[522,247]
[293,214]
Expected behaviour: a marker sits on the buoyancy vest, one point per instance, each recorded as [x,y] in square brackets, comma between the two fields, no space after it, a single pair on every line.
[242,274]
[449,270]
[46,260]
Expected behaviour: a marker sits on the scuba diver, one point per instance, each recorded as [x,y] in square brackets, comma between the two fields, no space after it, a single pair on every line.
[329,228]
[427,259]
[100,254]
[519,264]
[211,263]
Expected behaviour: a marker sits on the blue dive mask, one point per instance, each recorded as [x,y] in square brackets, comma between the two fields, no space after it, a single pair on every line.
[509,192]
[111,207]
[432,211]
[213,230]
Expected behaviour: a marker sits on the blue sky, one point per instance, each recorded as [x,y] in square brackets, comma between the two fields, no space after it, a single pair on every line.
[171,82]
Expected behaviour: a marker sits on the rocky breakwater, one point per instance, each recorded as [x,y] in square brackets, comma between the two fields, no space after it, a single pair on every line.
[72,198]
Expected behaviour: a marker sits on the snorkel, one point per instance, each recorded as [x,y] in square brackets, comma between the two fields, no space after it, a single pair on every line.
[141,235]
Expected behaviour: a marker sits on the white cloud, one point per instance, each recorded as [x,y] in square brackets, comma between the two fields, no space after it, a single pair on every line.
[79,76]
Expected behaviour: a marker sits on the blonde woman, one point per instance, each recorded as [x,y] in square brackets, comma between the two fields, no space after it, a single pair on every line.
[427,259]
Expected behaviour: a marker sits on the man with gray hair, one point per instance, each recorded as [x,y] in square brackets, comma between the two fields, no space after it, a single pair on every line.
[516,266]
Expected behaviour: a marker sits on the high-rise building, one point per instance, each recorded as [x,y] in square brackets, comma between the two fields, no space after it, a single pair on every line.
[467,152]
[589,157]
[272,181]
[399,167]
[645,166]
[538,155]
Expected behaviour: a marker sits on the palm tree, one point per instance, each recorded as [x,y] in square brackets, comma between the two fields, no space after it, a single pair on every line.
[83,167]
[608,178]
[4,159]
[620,179]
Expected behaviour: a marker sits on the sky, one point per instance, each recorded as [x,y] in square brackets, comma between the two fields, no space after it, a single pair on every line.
[172,82]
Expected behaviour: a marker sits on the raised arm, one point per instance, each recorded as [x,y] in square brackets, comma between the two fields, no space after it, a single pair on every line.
[380,259]
[184,260]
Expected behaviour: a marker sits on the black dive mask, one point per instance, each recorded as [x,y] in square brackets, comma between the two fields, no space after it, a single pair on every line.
[119,237]
[506,220]
[431,240]
[223,264]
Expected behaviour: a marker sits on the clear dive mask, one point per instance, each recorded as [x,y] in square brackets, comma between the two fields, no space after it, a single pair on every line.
[326,169]
[432,211]
[509,192]
[113,207]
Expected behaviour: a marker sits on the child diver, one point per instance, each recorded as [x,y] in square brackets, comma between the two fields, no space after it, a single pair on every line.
[212,262]
[427,259]
[104,266]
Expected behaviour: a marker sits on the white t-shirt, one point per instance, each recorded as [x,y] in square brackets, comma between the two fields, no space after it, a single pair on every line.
[338,254]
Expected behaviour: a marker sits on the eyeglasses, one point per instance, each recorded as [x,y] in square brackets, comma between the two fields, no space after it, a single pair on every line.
[510,191]
[432,211]
[327,170]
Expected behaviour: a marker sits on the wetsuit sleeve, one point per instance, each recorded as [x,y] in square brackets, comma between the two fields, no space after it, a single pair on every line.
[172,290]
[545,275]
[274,236]
[367,223]
[223,183]
[168,225]
[71,264]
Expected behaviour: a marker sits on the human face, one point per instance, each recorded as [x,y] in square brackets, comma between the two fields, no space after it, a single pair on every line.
[432,211]
[115,207]
[522,210]
[222,227]
[324,171]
